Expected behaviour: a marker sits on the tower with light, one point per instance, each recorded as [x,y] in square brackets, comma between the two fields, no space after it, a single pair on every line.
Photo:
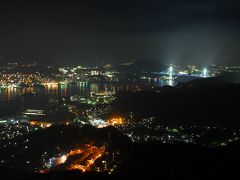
[205,72]
[170,75]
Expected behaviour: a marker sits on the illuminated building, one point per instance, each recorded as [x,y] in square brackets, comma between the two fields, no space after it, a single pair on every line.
[33,112]
[116,121]
[41,124]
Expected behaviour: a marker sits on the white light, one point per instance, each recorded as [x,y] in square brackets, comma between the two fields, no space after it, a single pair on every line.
[63,159]
[171,75]
[170,69]
[205,72]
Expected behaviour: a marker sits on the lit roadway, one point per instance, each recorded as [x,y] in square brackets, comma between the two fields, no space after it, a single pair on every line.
[89,154]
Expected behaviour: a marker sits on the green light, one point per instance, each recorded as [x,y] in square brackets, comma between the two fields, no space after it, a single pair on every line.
[175,130]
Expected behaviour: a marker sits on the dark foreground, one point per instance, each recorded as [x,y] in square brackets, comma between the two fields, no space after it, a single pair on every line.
[149,160]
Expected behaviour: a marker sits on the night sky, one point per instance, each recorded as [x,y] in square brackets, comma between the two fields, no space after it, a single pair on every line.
[103,31]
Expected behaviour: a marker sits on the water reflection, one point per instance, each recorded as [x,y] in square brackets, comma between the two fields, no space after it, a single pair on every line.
[82,89]
[94,87]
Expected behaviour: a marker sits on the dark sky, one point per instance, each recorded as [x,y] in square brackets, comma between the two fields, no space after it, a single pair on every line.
[79,32]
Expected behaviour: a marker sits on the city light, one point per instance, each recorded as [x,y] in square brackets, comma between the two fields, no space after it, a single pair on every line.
[170,78]
[116,121]
[205,72]
[170,70]
[40,123]
[119,90]
[89,154]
